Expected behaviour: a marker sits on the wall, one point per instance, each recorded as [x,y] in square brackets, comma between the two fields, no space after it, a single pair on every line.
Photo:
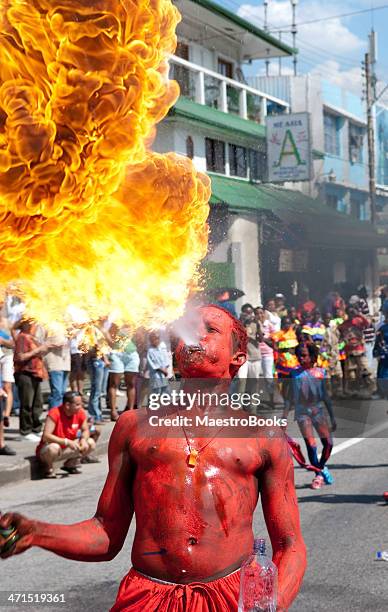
[235,239]
[244,242]
[171,136]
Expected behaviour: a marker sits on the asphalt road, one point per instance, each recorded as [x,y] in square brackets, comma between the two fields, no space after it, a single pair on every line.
[343,526]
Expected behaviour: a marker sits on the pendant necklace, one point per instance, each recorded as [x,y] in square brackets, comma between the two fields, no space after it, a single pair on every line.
[192,457]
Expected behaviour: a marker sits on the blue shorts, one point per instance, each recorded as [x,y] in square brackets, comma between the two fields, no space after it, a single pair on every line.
[131,361]
[124,362]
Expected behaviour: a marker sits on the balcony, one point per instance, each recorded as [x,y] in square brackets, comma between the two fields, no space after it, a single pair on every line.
[217,91]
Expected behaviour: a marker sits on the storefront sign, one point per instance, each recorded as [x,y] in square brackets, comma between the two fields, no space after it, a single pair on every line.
[289,148]
[293,261]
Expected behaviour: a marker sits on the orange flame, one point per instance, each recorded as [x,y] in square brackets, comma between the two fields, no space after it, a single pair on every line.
[89,217]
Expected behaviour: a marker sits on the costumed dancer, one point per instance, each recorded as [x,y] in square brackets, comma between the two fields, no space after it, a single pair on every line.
[309,397]
[284,343]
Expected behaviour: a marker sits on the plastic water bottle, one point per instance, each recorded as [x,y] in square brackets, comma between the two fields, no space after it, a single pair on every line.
[258,582]
[382,555]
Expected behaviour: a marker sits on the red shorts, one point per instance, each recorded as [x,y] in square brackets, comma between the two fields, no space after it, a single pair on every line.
[139,593]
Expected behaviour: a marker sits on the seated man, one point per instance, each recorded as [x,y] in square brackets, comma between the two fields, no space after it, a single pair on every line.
[65,436]
[193,499]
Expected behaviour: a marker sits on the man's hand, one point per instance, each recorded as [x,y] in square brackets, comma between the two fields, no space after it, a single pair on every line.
[101,537]
[49,346]
[25,529]
[73,444]
[83,446]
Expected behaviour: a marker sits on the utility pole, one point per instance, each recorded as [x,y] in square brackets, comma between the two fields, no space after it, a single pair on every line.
[294,32]
[370,99]
[266,30]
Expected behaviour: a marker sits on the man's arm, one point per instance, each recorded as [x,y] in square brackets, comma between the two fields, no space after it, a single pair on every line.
[328,403]
[101,537]
[21,355]
[281,515]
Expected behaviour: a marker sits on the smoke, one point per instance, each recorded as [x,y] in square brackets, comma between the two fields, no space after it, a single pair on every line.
[187,326]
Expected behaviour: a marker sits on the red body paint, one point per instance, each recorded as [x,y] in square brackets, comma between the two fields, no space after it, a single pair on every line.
[198,519]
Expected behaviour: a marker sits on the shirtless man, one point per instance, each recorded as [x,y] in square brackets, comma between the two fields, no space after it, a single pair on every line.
[193,524]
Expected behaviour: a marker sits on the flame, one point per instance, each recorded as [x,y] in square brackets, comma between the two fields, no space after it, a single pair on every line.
[90,218]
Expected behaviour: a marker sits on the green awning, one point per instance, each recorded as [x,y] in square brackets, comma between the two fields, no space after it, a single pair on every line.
[226,123]
[311,219]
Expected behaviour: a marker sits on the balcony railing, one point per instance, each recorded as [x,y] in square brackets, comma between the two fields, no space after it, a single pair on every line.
[213,89]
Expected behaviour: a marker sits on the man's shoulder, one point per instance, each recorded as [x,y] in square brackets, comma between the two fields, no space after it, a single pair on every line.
[131,420]
[82,416]
[54,413]
[273,443]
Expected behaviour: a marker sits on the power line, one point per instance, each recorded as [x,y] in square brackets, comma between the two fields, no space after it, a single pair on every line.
[301,43]
[329,18]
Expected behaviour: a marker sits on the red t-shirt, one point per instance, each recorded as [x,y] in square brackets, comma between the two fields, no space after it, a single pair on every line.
[34,366]
[65,426]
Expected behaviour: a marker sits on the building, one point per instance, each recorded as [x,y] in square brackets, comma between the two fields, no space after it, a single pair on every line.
[263,238]
[219,122]
[340,177]
[381,136]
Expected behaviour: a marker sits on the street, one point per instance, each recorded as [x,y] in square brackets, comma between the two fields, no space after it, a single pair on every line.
[343,526]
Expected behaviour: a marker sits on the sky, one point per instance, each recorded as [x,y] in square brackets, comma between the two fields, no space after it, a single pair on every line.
[335,47]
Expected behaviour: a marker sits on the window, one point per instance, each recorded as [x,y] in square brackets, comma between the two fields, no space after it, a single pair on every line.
[358,208]
[364,214]
[356,143]
[189,147]
[257,165]
[237,161]
[332,201]
[215,155]
[332,142]
[355,208]
[182,50]
[225,68]
[185,77]
[275,109]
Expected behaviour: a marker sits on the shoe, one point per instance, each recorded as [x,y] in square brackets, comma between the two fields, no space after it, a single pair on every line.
[90,459]
[102,422]
[318,482]
[31,437]
[7,450]
[71,470]
[50,474]
[327,476]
